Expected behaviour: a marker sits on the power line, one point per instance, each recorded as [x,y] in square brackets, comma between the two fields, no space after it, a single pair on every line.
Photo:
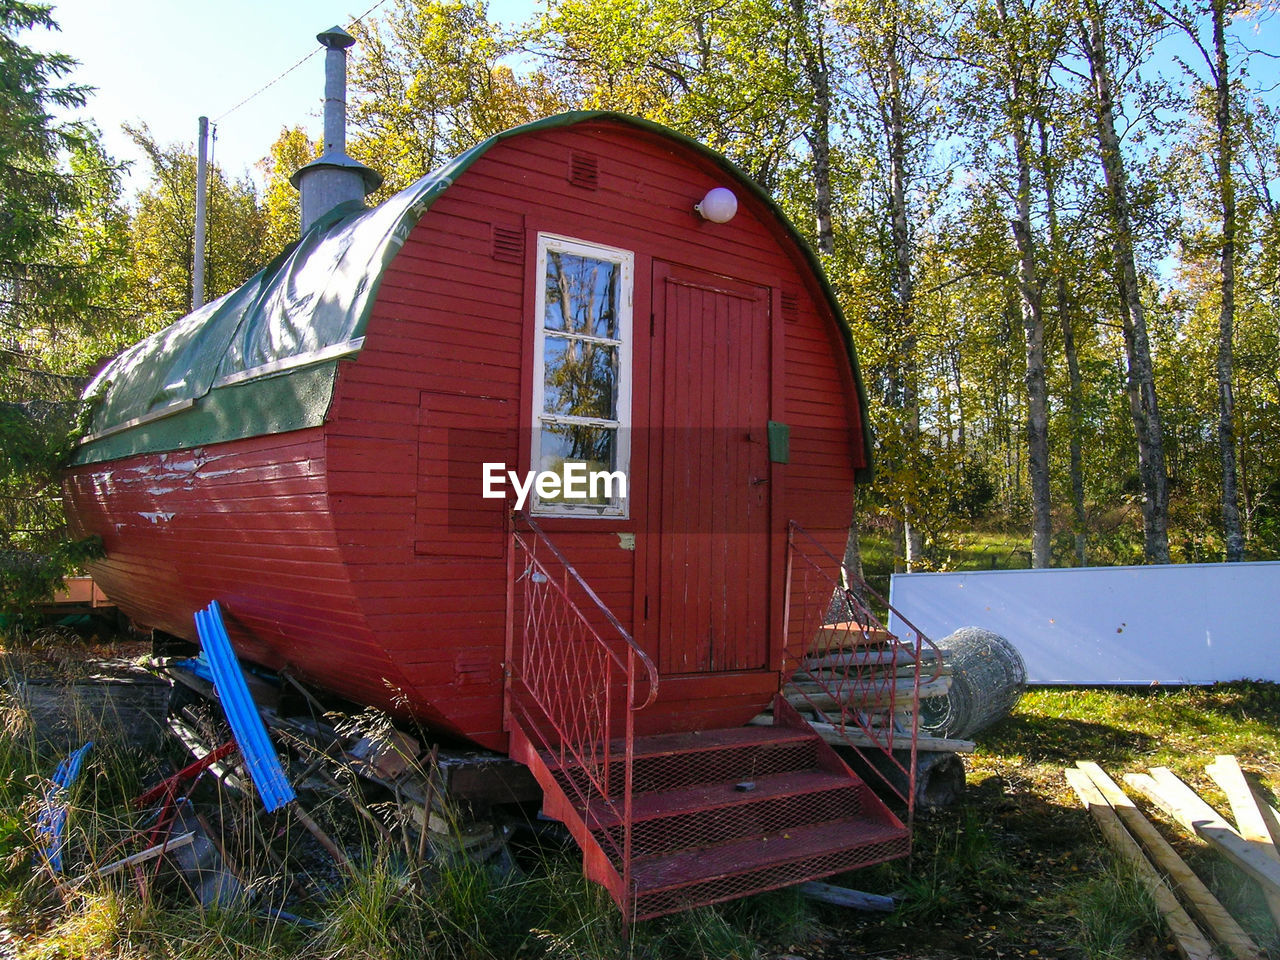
[272,83]
[269,85]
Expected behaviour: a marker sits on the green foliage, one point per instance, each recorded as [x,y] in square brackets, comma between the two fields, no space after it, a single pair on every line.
[36,192]
[62,242]
[292,151]
[961,868]
[163,231]
[28,577]
[429,82]
[728,75]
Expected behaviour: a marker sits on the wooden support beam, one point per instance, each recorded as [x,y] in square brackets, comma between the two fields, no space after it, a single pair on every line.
[324,839]
[842,736]
[1164,789]
[844,897]
[1206,907]
[1251,823]
[141,856]
[870,695]
[1191,943]
[192,740]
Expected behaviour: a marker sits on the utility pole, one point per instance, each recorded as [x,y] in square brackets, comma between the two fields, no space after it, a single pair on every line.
[202,183]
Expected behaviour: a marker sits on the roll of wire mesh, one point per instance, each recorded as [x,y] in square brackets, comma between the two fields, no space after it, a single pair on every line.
[988,677]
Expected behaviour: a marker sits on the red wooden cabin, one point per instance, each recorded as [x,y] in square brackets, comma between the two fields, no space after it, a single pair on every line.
[309,451]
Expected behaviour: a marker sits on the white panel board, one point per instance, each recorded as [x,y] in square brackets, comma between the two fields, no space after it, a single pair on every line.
[1180,623]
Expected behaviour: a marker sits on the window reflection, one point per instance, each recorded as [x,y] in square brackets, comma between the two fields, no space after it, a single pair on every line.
[596,447]
[580,378]
[583,385]
[582,295]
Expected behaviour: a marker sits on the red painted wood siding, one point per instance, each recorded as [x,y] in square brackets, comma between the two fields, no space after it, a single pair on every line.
[448,344]
[246,523]
[362,554]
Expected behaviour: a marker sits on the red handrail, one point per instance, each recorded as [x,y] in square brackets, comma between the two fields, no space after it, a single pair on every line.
[563,672]
[850,662]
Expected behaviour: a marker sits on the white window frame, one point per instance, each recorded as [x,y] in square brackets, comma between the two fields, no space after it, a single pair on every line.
[548,242]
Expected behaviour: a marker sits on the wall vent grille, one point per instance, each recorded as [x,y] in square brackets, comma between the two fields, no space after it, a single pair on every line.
[584,170]
[508,244]
[790,306]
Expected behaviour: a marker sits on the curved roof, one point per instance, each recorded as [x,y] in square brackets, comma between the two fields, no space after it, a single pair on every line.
[262,359]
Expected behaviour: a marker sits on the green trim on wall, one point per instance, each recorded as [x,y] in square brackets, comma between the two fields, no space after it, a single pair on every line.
[288,401]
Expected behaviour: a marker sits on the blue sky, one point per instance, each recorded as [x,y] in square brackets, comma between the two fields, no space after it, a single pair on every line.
[167,62]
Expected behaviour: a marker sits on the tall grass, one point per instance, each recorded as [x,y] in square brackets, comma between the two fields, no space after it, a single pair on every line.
[1018,866]
[392,907]
[1114,913]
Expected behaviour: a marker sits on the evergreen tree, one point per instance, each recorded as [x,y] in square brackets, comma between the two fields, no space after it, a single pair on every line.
[49,172]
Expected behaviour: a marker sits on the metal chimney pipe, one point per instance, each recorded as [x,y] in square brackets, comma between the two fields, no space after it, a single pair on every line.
[336,42]
[334,178]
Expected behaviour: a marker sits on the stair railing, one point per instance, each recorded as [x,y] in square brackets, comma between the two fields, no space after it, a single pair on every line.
[860,681]
[573,673]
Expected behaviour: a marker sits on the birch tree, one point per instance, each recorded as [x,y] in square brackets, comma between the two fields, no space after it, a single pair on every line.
[1095,25]
[1020,48]
[893,89]
[1216,81]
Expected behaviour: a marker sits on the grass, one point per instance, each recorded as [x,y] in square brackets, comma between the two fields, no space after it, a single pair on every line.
[1016,870]
[1125,730]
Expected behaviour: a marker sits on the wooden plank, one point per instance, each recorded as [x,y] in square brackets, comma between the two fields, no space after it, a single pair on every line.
[1182,803]
[840,736]
[844,897]
[1207,908]
[901,659]
[1190,941]
[1272,816]
[866,696]
[177,843]
[1250,821]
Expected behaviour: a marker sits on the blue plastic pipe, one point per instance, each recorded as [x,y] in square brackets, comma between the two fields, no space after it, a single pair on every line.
[246,723]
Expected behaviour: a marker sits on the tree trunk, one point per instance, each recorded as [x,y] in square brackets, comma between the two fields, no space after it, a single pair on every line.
[812,37]
[896,135]
[1075,388]
[1143,407]
[1037,400]
[1016,111]
[1226,317]
[819,136]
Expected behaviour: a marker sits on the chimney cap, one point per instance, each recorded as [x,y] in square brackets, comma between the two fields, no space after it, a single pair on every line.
[336,38]
[372,178]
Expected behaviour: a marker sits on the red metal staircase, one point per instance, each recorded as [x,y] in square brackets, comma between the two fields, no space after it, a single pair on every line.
[720,814]
[672,821]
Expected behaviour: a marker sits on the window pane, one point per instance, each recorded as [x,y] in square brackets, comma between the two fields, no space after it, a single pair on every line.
[582,294]
[580,378]
[593,447]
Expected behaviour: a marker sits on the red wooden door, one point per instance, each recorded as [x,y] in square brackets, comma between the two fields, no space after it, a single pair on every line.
[706,586]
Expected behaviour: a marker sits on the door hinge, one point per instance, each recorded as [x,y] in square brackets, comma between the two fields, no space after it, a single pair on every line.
[651,323]
[646,607]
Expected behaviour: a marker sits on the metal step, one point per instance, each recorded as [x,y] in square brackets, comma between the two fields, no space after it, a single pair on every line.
[705,875]
[718,813]
[664,762]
